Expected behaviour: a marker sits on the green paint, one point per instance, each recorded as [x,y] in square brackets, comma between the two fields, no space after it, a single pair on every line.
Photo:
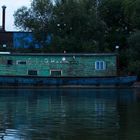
[66,64]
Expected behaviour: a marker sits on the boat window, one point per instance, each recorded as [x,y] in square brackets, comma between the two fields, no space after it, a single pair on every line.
[56,73]
[32,72]
[100,65]
[21,62]
[9,62]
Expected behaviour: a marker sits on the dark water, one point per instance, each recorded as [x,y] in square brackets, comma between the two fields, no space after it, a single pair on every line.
[70,114]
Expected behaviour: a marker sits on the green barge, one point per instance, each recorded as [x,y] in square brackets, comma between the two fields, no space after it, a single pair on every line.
[61,69]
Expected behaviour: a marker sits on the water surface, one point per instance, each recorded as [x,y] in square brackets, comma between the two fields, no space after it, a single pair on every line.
[69,114]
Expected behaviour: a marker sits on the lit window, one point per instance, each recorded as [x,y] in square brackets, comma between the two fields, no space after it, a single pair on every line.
[100,65]
[4,45]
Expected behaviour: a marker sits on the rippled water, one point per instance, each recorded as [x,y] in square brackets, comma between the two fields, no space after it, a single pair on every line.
[70,114]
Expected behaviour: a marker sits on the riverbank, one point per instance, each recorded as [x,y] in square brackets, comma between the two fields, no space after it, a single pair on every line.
[136,84]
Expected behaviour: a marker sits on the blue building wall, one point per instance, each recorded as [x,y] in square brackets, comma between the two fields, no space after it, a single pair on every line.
[26,40]
[21,39]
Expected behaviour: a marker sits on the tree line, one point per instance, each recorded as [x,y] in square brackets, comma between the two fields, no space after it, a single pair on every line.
[90,26]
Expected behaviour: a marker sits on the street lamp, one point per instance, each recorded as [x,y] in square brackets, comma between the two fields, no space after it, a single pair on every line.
[118,63]
[117,48]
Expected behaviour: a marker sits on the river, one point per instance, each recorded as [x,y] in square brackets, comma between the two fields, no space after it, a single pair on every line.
[70,114]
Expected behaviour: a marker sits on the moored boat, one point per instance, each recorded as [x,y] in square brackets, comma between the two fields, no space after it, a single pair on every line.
[65,69]
[67,81]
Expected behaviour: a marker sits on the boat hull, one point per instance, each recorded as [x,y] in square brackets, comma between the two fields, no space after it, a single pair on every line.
[66,81]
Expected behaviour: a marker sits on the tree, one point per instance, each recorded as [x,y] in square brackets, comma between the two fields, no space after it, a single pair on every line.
[112,13]
[73,25]
[134,52]
[132,13]
[35,19]
[76,26]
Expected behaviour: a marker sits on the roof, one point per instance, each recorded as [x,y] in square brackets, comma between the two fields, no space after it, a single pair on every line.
[58,54]
[14,32]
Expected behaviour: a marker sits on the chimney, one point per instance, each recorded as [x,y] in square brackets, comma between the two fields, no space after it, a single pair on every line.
[3,17]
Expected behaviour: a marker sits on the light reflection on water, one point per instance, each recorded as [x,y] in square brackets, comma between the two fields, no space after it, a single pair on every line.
[69,114]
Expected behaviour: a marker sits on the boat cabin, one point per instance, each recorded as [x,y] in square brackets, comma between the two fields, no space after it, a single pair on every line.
[58,65]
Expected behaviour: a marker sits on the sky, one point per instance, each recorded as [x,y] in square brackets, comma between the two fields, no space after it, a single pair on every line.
[12,5]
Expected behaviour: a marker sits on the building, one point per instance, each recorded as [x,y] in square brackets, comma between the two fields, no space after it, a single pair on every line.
[16,39]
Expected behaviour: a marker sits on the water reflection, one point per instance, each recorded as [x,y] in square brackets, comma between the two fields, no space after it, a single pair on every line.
[69,114]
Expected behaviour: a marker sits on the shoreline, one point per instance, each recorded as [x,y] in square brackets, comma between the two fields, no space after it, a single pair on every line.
[134,86]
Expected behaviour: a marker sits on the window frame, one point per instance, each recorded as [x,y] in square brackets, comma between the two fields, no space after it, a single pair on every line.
[100,65]
[56,70]
[32,74]
[19,61]
[9,62]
